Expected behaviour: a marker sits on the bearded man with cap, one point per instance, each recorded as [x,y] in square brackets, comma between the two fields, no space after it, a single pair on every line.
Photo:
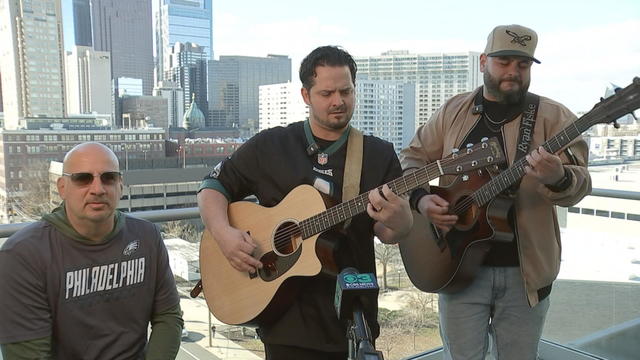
[508,298]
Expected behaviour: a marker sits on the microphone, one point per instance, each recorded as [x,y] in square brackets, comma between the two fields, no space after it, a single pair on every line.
[351,286]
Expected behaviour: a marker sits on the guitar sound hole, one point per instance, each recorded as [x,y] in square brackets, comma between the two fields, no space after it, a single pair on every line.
[287,238]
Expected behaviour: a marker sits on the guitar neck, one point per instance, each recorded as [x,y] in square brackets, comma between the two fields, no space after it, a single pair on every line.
[516,171]
[348,209]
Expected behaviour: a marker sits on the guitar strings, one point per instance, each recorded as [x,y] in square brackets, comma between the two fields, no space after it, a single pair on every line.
[292,230]
[284,237]
[571,131]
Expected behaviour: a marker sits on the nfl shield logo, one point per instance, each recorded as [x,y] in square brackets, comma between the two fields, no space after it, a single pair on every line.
[323,158]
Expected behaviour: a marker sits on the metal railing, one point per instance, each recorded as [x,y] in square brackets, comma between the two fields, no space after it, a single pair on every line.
[7,230]
[548,350]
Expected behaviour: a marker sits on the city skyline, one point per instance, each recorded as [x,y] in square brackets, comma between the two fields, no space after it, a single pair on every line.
[576,37]
[583,45]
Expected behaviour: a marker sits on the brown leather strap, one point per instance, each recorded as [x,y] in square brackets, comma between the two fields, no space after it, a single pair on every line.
[352,167]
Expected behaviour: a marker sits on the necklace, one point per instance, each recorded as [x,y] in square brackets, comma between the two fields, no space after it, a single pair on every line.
[492,125]
[486,115]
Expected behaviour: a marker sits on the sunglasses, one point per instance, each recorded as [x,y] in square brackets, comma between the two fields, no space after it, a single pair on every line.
[85,178]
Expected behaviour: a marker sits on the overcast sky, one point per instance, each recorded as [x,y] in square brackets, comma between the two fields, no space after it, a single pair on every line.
[583,45]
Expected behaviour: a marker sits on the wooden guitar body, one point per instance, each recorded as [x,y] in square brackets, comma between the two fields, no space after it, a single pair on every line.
[447,263]
[236,297]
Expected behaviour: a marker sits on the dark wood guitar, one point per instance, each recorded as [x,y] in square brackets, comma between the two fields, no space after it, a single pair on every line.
[447,264]
[286,236]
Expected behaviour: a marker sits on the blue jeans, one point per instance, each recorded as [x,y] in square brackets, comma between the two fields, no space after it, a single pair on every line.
[494,304]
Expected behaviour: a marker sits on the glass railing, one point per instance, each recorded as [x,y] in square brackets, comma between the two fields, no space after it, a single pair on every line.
[594,303]
[594,313]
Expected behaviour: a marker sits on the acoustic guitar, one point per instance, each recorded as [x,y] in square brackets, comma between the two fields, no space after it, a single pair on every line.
[286,237]
[447,264]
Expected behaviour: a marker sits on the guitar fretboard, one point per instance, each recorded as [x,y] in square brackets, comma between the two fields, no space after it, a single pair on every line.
[505,179]
[348,209]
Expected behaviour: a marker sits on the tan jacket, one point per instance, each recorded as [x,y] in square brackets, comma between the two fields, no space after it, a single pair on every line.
[539,244]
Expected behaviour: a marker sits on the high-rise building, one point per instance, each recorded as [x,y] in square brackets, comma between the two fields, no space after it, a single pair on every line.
[181,21]
[88,80]
[31,60]
[233,88]
[124,28]
[281,105]
[188,69]
[175,101]
[386,109]
[438,76]
[82,22]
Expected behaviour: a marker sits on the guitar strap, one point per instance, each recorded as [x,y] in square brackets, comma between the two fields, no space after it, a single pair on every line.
[352,168]
[527,124]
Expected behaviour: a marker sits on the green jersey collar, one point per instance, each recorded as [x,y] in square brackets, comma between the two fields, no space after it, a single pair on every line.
[333,147]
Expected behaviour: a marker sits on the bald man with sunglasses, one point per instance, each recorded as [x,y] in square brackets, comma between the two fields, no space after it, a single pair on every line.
[86,280]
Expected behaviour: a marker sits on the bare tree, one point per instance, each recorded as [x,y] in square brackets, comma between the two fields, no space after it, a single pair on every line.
[421,308]
[387,255]
[34,200]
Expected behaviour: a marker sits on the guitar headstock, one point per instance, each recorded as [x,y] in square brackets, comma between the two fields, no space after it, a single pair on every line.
[473,157]
[624,101]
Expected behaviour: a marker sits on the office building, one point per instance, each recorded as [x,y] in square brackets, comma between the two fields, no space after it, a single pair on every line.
[88,80]
[438,76]
[188,69]
[386,109]
[82,22]
[175,101]
[614,147]
[181,21]
[31,60]
[91,121]
[124,28]
[281,105]
[27,154]
[234,88]
[140,112]
[120,88]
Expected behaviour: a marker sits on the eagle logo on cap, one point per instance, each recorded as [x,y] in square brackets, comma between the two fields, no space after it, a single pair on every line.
[518,39]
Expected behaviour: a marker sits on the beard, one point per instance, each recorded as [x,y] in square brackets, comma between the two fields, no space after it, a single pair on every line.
[328,121]
[492,85]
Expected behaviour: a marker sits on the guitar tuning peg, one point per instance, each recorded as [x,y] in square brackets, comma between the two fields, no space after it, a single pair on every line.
[469,148]
[455,150]
[484,139]
[469,145]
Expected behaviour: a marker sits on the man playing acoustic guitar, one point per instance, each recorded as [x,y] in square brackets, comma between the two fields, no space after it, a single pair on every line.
[508,296]
[274,162]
